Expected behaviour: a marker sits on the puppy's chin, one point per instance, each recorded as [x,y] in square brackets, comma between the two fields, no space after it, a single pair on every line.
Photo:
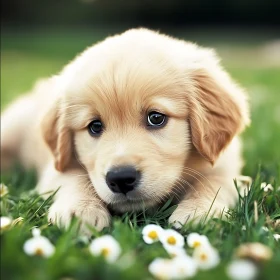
[132,201]
[128,204]
[135,200]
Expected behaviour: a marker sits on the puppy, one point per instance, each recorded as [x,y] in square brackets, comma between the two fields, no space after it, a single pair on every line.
[132,121]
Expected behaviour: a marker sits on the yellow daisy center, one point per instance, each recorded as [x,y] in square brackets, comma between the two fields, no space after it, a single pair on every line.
[196,244]
[181,270]
[203,257]
[39,252]
[153,234]
[171,240]
[105,252]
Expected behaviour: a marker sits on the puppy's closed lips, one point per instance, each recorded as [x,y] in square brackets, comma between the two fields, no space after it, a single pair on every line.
[130,196]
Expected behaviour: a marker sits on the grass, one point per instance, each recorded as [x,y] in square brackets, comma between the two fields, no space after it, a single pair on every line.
[28,56]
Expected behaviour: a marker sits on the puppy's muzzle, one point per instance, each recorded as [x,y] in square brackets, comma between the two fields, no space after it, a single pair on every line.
[122,179]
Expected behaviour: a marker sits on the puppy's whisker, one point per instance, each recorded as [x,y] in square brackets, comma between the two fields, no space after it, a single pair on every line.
[195,171]
[153,195]
[174,190]
[191,175]
[186,170]
[182,183]
[198,173]
[190,185]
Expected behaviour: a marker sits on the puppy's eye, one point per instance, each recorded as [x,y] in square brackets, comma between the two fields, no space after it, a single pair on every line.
[156,119]
[95,128]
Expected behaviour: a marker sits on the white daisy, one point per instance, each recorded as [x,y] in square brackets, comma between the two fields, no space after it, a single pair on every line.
[163,269]
[276,237]
[185,267]
[170,237]
[242,270]
[3,190]
[5,222]
[174,251]
[196,240]
[38,245]
[106,246]
[177,268]
[206,257]
[151,233]
[266,187]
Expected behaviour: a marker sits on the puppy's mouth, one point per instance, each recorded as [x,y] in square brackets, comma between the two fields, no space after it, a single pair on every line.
[131,201]
[131,196]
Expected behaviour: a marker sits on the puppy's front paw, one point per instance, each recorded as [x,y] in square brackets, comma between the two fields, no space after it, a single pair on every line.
[196,210]
[178,219]
[90,213]
[184,214]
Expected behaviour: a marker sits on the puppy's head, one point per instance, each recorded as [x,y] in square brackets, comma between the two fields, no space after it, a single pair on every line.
[133,108]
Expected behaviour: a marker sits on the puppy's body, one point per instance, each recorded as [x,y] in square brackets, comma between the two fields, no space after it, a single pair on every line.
[194,155]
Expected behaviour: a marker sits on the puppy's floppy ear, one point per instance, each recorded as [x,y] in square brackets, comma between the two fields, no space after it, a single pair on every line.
[57,136]
[218,111]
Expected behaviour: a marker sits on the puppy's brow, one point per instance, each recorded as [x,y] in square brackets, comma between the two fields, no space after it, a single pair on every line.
[170,106]
[79,115]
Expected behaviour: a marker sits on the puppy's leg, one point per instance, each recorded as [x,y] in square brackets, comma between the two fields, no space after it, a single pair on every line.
[206,198]
[75,197]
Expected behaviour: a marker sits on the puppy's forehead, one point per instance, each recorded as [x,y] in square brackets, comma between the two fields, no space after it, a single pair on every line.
[126,88]
[118,94]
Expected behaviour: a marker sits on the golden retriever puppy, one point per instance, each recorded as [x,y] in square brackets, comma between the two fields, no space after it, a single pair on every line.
[132,121]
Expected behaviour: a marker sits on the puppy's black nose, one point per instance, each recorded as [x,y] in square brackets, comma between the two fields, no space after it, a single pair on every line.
[122,179]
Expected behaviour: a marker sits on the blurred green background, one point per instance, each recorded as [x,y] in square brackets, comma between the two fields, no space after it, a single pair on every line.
[39,37]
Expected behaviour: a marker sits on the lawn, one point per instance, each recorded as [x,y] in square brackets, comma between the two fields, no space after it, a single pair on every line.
[26,56]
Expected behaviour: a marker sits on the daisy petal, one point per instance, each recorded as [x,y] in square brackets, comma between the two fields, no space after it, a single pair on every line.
[195,240]
[38,246]
[206,257]
[105,246]
[242,270]
[163,269]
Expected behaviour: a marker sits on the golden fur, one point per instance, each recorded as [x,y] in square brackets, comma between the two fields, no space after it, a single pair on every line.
[194,157]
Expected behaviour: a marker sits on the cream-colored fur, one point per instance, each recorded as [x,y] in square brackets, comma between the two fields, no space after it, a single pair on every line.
[194,157]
